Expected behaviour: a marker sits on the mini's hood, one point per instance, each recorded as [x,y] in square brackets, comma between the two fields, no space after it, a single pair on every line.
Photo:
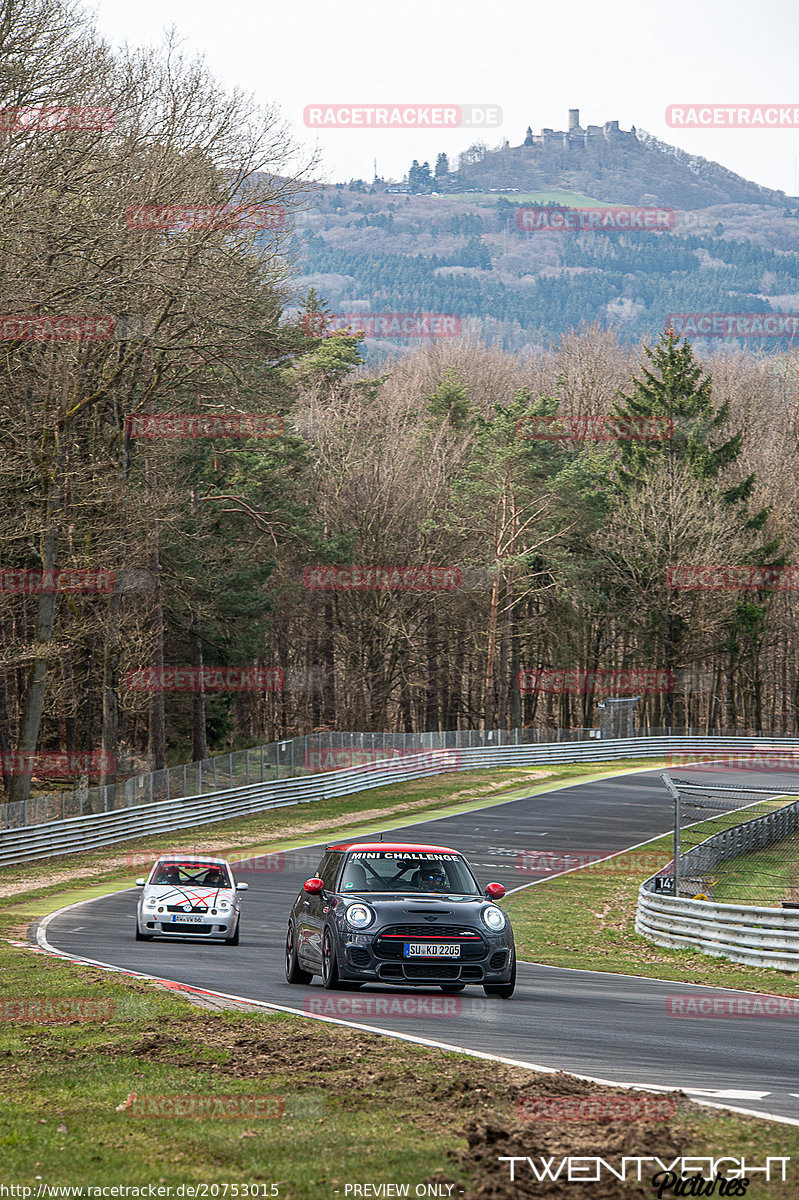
[417,909]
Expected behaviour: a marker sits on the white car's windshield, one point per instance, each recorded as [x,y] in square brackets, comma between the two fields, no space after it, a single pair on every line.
[407,871]
[190,874]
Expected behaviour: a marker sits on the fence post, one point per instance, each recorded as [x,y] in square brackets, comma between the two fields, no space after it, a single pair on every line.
[230,767]
[262,764]
[184,779]
[168,773]
[247,761]
[151,788]
[292,758]
[213,764]
[200,778]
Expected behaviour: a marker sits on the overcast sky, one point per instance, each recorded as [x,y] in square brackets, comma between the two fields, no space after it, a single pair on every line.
[618,60]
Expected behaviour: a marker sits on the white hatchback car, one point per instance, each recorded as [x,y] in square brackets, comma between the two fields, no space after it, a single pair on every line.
[190,897]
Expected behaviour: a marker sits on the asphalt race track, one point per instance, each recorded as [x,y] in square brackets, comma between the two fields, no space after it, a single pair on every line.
[610,1027]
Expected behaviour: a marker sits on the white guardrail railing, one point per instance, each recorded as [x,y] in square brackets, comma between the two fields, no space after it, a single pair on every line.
[757,935]
[74,834]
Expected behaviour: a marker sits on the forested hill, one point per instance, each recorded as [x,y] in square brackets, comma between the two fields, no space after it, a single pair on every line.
[449,242]
[617,167]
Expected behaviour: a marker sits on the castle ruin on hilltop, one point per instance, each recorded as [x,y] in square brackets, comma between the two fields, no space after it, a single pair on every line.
[577,138]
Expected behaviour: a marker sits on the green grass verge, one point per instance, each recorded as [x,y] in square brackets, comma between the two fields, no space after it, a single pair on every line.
[356,1108]
[765,877]
[586,919]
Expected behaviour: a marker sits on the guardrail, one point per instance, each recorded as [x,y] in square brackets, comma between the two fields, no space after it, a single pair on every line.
[74,834]
[757,935]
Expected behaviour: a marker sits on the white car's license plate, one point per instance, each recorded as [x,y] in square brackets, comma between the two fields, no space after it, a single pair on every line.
[431,950]
[185,920]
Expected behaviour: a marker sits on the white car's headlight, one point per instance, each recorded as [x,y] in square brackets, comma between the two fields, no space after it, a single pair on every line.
[359,916]
[151,903]
[224,905]
[493,918]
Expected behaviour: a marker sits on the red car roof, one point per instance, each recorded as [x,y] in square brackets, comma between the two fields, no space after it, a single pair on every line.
[409,846]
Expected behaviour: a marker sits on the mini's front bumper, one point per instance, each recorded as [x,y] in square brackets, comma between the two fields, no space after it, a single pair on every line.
[360,960]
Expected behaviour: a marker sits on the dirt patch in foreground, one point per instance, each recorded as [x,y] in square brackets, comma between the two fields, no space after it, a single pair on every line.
[488,1109]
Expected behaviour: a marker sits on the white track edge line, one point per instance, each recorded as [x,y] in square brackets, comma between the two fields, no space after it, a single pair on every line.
[44,944]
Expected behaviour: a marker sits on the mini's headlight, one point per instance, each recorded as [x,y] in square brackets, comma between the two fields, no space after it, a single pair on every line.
[493,918]
[359,916]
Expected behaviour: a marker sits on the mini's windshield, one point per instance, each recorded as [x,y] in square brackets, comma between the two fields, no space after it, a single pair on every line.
[407,871]
[190,874]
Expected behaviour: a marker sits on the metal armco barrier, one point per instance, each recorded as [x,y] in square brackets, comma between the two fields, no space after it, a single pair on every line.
[753,934]
[74,834]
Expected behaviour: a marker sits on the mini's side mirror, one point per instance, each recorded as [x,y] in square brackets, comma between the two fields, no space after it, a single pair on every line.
[242,887]
[313,886]
[140,883]
[495,891]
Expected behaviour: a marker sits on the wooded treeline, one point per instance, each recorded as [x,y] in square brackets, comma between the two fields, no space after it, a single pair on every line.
[562,546]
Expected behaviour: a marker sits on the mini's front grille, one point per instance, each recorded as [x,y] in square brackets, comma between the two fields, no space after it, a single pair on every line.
[498,960]
[359,956]
[389,942]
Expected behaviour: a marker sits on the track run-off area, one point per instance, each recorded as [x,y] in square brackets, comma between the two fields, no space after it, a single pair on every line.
[607,1027]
